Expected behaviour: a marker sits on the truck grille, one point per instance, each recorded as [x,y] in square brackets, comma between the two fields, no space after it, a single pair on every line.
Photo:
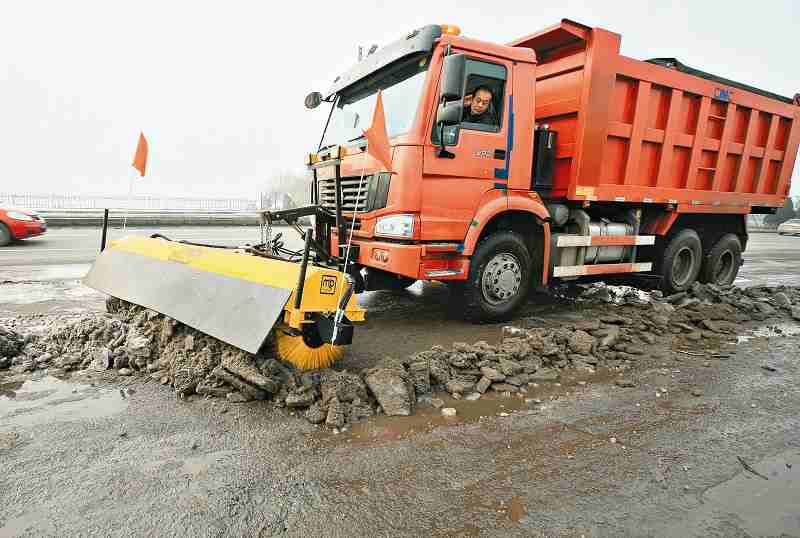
[374,193]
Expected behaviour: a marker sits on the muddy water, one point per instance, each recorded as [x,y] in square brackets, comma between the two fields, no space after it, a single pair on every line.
[48,399]
[536,400]
[401,323]
[766,505]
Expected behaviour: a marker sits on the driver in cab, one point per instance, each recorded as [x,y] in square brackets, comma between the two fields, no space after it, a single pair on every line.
[477,107]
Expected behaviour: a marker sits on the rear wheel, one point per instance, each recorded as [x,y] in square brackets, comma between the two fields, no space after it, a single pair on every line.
[5,235]
[723,261]
[681,261]
[499,278]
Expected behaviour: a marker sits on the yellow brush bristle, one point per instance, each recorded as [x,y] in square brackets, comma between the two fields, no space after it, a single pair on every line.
[294,350]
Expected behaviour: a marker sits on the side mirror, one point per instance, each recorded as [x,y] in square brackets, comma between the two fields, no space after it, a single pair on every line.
[449,113]
[313,100]
[453,77]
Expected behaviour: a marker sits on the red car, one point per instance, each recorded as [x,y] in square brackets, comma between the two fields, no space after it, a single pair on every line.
[19,224]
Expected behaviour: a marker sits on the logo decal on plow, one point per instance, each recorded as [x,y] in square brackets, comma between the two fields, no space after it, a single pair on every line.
[328,285]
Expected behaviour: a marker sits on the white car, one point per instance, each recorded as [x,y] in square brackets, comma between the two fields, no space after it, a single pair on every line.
[790,227]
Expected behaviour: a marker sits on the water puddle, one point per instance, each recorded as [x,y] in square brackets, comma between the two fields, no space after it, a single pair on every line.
[384,429]
[763,504]
[27,293]
[49,399]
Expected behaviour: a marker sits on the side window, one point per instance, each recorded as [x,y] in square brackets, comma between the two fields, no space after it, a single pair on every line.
[483,101]
[483,96]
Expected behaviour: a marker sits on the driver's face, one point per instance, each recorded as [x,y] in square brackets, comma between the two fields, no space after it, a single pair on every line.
[480,102]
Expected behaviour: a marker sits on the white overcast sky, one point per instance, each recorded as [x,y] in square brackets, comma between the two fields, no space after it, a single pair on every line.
[218,87]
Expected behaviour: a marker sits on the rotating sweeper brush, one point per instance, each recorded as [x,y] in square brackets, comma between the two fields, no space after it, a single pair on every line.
[235,295]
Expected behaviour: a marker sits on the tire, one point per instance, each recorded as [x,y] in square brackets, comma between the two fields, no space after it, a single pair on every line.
[485,298]
[722,263]
[5,235]
[681,261]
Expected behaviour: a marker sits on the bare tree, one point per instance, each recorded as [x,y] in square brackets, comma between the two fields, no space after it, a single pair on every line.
[296,185]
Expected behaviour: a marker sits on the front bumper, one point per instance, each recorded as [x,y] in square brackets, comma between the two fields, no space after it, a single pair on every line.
[441,261]
[25,229]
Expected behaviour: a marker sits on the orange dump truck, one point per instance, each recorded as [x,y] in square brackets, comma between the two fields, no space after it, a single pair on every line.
[552,157]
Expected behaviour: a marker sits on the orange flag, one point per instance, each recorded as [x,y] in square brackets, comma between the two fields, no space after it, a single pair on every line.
[140,159]
[377,138]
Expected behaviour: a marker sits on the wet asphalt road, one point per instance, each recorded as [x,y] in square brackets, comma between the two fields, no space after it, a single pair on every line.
[84,458]
[593,460]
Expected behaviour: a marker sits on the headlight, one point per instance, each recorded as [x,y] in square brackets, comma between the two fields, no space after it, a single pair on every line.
[395,226]
[19,216]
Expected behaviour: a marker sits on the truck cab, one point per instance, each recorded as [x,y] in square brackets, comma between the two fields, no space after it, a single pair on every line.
[423,220]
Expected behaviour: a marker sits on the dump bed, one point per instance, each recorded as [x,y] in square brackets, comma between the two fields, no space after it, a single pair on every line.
[658,132]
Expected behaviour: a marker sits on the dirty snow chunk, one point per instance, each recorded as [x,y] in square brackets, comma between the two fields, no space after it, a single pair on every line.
[581,342]
[344,385]
[781,300]
[473,396]
[125,371]
[512,332]
[504,387]
[337,413]
[359,410]
[237,397]
[300,399]
[456,386]
[393,392]
[449,412]
[137,346]
[546,374]
[509,367]
[316,414]
[242,365]
[483,385]
[420,376]
[492,375]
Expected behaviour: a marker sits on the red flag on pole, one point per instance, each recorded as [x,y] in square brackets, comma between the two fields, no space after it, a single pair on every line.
[140,158]
[377,138]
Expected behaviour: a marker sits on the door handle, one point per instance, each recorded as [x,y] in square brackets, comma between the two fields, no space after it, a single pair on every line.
[500,154]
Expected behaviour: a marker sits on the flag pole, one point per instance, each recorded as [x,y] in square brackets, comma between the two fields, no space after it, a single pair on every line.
[140,164]
[337,318]
[129,202]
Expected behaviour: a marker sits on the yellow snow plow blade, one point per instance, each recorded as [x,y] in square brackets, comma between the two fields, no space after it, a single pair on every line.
[233,296]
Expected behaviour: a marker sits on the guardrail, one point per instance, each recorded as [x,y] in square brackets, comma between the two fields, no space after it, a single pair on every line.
[139,202]
[94,217]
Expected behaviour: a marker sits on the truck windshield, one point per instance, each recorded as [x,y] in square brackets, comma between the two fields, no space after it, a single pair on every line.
[402,87]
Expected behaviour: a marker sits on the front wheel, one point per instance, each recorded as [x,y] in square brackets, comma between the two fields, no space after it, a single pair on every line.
[499,278]
[5,235]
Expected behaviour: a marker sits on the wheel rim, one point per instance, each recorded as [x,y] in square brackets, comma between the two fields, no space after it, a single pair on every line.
[724,268]
[682,266]
[502,278]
